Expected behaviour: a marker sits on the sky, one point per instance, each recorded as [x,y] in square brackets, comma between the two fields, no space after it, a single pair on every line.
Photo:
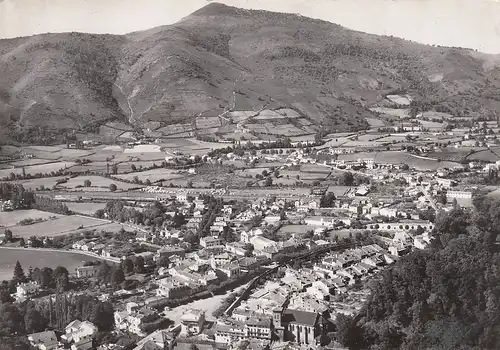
[465,23]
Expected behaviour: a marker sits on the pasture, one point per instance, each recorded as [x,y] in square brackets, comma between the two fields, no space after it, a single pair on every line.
[38,258]
[85,208]
[35,169]
[11,218]
[153,175]
[96,181]
[57,227]
[46,182]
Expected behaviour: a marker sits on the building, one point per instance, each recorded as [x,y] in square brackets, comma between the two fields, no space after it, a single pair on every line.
[133,318]
[172,289]
[87,271]
[167,252]
[302,327]
[27,290]
[459,194]
[261,242]
[193,321]
[79,334]
[44,340]
[160,339]
[208,242]
[258,328]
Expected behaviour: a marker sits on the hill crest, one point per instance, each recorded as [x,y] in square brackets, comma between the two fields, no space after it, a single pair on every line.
[222,59]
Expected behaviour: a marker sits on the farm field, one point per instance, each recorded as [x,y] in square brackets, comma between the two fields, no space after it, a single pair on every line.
[97,181]
[11,218]
[34,169]
[295,229]
[153,175]
[38,258]
[57,227]
[485,156]
[85,208]
[47,182]
[314,168]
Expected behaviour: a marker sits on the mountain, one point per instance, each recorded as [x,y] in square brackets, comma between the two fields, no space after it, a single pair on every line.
[224,58]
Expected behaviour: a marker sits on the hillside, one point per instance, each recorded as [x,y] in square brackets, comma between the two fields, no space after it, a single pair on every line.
[222,58]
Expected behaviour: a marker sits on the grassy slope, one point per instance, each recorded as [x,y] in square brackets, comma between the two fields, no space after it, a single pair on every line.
[176,72]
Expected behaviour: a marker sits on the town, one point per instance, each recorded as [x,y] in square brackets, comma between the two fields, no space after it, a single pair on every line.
[243,245]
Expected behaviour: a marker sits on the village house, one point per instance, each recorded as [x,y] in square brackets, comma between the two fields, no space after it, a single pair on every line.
[168,251]
[87,271]
[27,290]
[192,321]
[207,242]
[134,317]
[79,334]
[160,339]
[44,340]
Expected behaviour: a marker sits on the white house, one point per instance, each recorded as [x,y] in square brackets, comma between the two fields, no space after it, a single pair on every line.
[80,334]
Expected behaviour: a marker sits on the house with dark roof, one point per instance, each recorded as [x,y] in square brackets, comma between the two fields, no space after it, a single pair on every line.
[302,327]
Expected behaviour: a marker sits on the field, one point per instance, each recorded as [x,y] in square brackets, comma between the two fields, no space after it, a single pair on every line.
[47,182]
[34,169]
[38,258]
[295,229]
[153,175]
[96,181]
[57,227]
[85,208]
[11,218]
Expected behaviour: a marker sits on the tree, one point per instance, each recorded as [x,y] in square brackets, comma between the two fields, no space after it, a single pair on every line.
[347,179]
[21,242]
[138,264]
[19,276]
[103,316]
[114,169]
[269,182]
[104,273]
[405,167]
[8,235]
[43,276]
[87,183]
[163,261]
[193,347]
[11,320]
[60,277]
[189,184]
[127,266]
[117,276]
[33,319]
[112,187]
[133,167]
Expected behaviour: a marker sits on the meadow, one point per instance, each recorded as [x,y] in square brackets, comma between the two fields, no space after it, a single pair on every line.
[96,181]
[11,218]
[85,208]
[34,169]
[153,175]
[57,227]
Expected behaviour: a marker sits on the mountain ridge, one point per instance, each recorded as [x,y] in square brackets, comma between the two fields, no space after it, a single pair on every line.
[222,58]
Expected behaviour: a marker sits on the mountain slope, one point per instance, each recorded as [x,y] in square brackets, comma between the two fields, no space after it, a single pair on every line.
[223,58]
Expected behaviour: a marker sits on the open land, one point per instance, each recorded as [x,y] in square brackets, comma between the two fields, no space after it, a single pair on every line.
[38,258]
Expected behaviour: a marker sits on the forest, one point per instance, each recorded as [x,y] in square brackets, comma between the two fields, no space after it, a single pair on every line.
[445,297]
